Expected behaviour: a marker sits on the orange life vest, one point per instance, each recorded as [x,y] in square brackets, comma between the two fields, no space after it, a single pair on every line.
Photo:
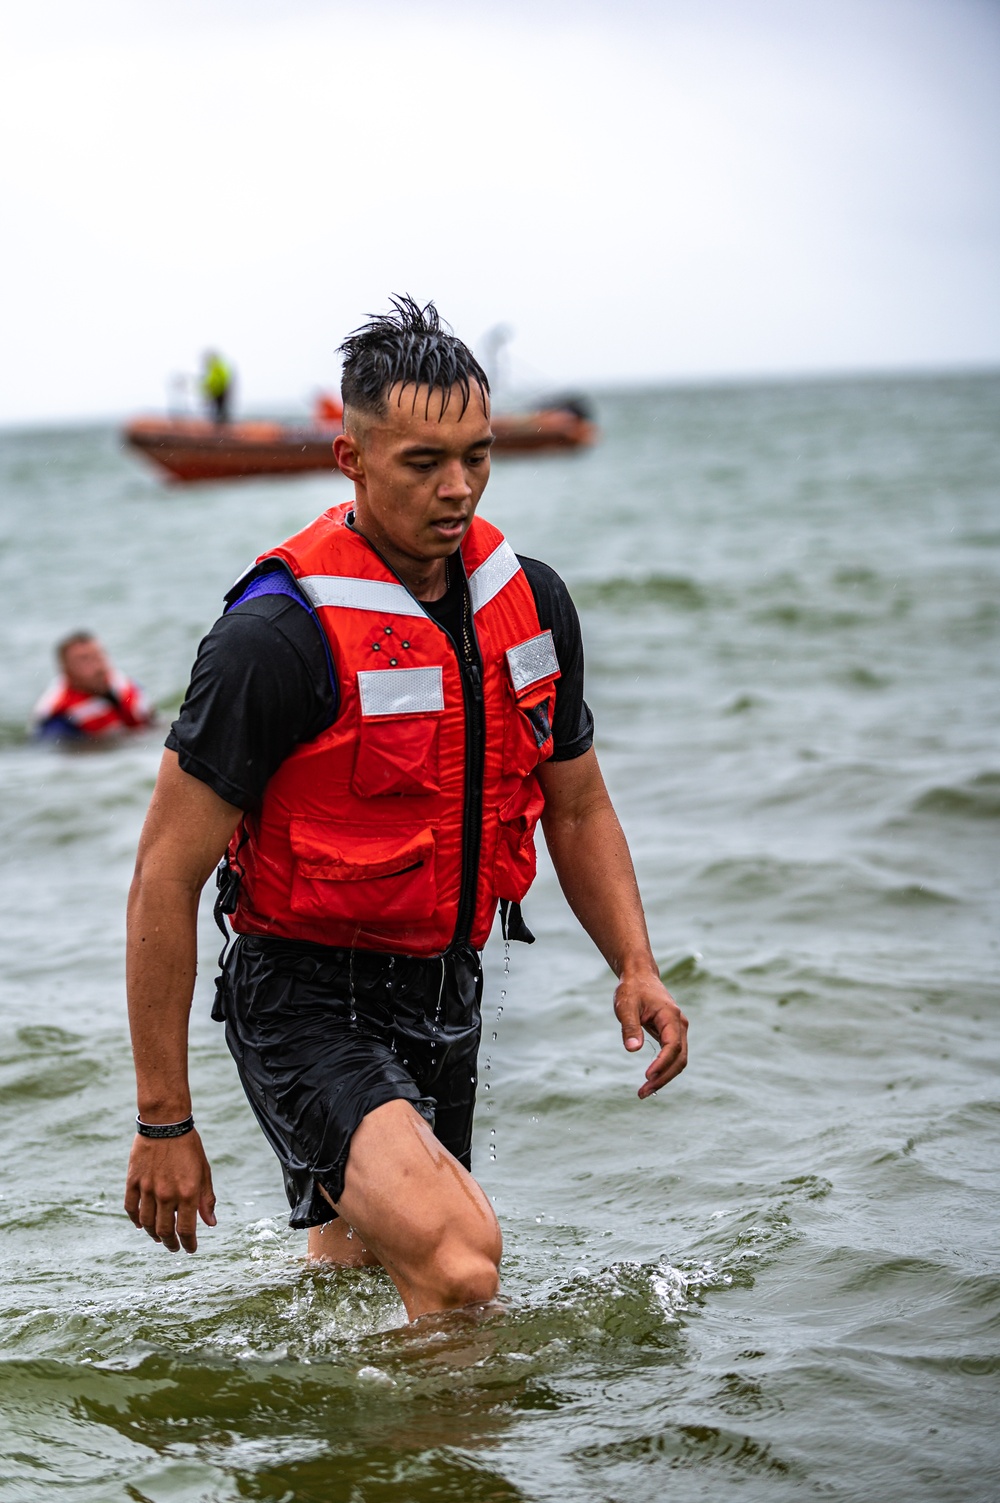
[86,714]
[401,826]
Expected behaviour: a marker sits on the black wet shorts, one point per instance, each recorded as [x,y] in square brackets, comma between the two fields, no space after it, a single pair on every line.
[321,1037]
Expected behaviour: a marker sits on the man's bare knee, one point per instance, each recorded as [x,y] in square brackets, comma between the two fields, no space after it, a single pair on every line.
[470,1279]
[457,1262]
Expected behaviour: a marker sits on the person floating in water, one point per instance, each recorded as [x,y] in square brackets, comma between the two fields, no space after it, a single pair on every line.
[90,699]
[391,701]
[217,385]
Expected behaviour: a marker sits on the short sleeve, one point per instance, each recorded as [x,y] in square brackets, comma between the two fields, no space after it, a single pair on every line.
[573,723]
[261,684]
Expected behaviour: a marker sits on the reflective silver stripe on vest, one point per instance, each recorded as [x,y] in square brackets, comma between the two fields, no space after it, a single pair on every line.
[360,594]
[87,709]
[491,576]
[401,691]
[532,660]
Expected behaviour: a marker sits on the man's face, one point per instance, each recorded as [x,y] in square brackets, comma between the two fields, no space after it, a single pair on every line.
[419,472]
[86,667]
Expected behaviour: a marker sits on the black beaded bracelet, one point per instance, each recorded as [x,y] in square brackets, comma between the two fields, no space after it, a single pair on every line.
[164,1129]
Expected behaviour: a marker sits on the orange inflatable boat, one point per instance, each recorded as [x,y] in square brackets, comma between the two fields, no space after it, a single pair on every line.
[189,448]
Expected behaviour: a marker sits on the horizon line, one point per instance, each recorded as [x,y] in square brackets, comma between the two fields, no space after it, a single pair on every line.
[792,377]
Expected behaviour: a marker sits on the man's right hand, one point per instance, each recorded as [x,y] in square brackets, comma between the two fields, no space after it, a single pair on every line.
[168,1186]
[187,829]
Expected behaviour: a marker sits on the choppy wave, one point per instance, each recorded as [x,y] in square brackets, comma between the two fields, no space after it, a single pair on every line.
[674,591]
[976,799]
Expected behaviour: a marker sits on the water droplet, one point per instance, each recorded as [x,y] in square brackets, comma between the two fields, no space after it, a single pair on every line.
[494,1036]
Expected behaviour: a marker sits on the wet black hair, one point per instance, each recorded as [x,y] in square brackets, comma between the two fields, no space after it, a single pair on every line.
[411,346]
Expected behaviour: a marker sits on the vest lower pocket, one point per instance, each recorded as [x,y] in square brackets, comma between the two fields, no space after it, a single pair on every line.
[350,872]
[398,755]
[515,864]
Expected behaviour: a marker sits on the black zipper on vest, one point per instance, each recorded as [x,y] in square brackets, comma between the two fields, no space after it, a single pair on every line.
[472,821]
[467,653]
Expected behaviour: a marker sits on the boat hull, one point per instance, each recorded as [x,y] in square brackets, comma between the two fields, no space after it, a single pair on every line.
[191,449]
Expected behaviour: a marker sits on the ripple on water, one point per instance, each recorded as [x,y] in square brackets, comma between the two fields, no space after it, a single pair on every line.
[804,891]
[705,1448]
[249,1434]
[976,799]
[678,592]
[46,1063]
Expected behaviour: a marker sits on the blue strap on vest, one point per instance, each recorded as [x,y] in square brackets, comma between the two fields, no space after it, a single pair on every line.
[274,582]
[273,577]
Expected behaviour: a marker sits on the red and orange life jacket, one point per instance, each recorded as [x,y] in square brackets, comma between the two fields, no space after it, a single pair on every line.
[83,714]
[401,826]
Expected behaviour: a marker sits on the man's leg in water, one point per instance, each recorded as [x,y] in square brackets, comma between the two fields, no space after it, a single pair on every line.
[416,1210]
[336,1242]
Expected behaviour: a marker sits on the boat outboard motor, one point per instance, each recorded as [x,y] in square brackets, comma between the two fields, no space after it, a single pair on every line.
[572,402]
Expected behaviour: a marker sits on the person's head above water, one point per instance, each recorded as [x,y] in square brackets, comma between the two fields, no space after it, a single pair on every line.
[411,347]
[416,440]
[84,662]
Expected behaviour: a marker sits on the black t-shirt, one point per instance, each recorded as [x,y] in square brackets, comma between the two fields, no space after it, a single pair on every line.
[263,682]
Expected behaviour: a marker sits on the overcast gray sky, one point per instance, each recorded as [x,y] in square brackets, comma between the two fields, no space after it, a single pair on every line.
[694,188]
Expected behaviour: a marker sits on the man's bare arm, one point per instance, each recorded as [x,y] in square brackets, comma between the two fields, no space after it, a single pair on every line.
[594,867]
[186,832]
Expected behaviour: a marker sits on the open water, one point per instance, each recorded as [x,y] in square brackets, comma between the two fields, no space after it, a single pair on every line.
[778,1280]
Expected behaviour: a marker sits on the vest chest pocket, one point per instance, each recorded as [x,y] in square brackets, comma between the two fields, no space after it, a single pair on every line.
[347,871]
[529,704]
[397,750]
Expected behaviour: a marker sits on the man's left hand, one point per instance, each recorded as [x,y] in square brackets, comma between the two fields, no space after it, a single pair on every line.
[643,1002]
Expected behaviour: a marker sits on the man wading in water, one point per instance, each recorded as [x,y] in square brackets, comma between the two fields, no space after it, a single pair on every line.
[371,733]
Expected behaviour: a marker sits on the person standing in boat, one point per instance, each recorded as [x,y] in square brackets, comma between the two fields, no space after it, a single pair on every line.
[390,703]
[91,699]
[217,386]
